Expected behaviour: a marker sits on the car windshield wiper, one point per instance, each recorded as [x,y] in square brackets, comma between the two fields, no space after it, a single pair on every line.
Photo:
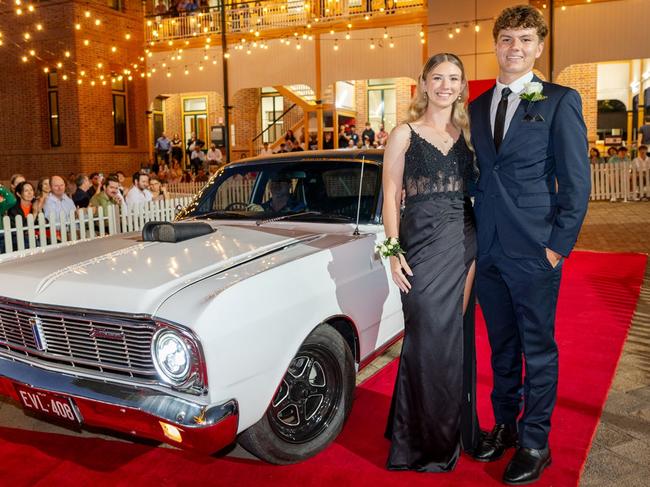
[319,214]
[220,213]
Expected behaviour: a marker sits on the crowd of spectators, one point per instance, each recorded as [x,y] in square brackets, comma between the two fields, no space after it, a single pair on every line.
[57,195]
[620,156]
[169,155]
[348,138]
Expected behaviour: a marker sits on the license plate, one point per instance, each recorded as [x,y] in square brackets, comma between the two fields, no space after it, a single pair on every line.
[53,405]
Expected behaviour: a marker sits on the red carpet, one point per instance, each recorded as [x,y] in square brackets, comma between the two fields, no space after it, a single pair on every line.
[599,293]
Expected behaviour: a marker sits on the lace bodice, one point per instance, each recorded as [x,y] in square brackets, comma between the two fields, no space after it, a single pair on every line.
[428,173]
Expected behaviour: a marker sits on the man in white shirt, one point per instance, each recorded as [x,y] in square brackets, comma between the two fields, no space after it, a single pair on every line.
[214,155]
[642,164]
[266,151]
[57,201]
[139,192]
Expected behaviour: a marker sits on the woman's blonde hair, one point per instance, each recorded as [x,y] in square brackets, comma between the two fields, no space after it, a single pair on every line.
[420,102]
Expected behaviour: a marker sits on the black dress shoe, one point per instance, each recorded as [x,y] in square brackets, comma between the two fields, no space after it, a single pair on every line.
[527,466]
[494,444]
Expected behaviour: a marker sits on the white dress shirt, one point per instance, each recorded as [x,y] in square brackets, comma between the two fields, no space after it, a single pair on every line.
[54,206]
[517,87]
[137,196]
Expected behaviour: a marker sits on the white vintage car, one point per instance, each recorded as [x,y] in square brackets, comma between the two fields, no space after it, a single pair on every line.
[245,320]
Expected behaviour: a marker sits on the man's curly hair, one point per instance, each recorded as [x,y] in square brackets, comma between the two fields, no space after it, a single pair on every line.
[521,17]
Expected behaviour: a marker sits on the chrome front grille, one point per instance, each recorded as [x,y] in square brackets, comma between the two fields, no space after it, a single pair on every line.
[111,344]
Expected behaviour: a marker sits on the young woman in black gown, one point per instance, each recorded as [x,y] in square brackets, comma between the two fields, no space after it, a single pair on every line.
[433,412]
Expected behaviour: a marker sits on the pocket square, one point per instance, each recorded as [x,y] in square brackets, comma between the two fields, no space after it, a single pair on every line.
[529,117]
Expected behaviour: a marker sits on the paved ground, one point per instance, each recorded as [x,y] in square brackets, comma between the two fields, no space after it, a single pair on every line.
[620,456]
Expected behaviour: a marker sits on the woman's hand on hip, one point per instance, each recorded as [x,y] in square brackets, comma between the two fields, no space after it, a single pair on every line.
[398,268]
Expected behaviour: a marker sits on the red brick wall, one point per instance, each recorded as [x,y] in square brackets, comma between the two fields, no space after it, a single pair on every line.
[84,111]
[584,79]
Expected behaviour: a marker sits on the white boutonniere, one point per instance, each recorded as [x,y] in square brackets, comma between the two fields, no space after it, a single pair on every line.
[532,92]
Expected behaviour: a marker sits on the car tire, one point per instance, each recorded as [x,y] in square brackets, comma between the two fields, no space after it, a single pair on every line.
[299,423]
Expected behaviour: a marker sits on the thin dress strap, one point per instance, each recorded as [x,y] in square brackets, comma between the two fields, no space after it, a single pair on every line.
[410,127]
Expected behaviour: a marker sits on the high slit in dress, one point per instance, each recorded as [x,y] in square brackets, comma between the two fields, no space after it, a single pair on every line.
[433,412]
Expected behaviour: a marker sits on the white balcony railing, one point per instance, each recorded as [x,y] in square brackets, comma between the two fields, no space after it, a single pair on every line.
[251,17]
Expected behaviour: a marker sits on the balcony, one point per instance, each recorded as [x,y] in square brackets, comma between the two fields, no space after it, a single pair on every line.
[263,18]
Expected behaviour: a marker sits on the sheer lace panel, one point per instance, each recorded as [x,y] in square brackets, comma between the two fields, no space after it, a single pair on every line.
[428,173]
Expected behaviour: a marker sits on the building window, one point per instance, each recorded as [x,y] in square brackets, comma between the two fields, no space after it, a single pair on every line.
[115,4]
[195,118]
[158,118]
[382,104]
[119,112]
[53,108]
[272,106]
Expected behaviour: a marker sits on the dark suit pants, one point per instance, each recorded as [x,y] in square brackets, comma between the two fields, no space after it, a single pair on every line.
[518,298]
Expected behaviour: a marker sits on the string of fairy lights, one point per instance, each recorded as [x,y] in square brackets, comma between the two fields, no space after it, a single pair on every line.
[119,63]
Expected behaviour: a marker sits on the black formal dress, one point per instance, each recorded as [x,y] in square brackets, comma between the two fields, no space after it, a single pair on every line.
[433,410]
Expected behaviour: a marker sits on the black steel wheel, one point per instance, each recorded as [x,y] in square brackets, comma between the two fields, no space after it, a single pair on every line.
[311,403]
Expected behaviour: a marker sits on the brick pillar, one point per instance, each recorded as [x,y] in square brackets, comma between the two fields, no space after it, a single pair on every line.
[583,78]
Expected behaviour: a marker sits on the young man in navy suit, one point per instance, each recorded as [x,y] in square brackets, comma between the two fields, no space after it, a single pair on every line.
[531,198]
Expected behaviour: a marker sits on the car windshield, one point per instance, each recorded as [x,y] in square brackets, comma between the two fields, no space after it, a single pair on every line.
[306,190]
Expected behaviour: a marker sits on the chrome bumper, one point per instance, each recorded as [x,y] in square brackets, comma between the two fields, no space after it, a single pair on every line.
[137,411]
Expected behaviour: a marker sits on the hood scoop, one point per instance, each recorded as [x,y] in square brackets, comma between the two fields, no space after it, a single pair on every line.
[174,232]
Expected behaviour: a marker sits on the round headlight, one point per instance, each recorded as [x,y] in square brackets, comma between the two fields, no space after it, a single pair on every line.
[172,357]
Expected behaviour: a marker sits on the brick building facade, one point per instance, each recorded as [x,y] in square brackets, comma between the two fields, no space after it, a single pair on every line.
[85,112]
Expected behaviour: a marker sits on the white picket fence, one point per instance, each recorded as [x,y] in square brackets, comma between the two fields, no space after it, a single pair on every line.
[620,181]
[36,231]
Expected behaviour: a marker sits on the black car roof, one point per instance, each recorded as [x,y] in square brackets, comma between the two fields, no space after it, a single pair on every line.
[372,155]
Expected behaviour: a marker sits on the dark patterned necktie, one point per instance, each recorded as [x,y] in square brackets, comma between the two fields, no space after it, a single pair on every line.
[500,120]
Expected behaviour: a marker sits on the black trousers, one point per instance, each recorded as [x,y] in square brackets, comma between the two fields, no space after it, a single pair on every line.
[518,298]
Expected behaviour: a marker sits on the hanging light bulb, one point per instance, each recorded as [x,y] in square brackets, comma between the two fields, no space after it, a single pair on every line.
[127,36]
[87,13]
[391,44]
[59,65]
[226,55]
[336,45]
[30,8]
[421,33]
[27,36]
[347,36]
[25,59]
[46,70]
[92,83]
[332,31]
[32,52]
[98,22]
[113,48]
[457,30]
[477,28]
[200,67]
[80,81]
[372,44]
[100,65]
[39,26]
[66,54]
[349,25]
[385,33]
[65,77]
[86,42]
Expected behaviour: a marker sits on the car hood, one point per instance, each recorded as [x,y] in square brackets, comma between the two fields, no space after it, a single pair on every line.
[125,273]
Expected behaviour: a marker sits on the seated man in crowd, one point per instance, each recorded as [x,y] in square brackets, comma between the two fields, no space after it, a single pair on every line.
[58,201]
[139,192]
[110,196]
[281,198]
[80,196]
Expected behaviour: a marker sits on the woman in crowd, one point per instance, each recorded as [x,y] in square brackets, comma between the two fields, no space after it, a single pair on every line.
[382,137]
[290,137]
[42,192]
[158,190]
[25,204]
[177,148]
[594,156]
[175,172]
[163,172]
[431,246]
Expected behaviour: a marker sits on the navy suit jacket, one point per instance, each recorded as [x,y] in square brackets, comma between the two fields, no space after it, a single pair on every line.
[533,193]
